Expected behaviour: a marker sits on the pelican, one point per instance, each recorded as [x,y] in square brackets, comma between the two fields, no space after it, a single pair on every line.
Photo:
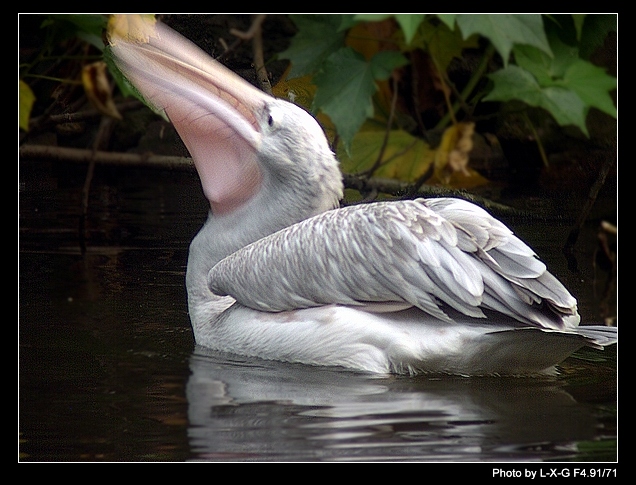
[279,271]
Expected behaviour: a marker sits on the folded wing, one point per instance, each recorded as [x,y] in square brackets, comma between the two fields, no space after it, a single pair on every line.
[432,254]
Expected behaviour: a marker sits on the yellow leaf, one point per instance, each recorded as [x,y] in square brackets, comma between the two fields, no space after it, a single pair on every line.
[369,38]
[405,157]
[97,89]
[299,90]
[460,180]
[452,153]
[136,28]
[452,158]
[27,98]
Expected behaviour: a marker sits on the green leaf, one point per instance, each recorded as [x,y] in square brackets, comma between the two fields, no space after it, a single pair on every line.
[26,100]
[513,82]
[92,24]
[384,62]
[566,107]
[579,20]
[409,23]
[347,20]
[536,62]
[564,56]
[345,86]
[592,84]
[87,27]
[372,17]
[506,30]
[448,19]
[318,37]
[443,43]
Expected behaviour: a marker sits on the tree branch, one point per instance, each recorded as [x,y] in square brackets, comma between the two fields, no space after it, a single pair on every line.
[373,185]
[78,155]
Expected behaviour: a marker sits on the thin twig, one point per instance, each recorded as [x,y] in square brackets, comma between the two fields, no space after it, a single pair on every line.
[445,89]
[470,87]
[544,156]
[106,126]
[257,21]
[254,33]
[378,161]
[568,248]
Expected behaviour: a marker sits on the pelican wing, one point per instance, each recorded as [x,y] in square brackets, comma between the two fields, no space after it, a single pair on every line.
[430,254]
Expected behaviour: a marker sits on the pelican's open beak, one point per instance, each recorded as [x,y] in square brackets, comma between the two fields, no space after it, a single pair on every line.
[215,111]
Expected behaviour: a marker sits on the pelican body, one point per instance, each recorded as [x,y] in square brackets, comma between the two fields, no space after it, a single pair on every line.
[280,271]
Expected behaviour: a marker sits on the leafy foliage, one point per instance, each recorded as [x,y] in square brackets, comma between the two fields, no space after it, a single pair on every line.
[318,37]
[405,158]
[386,86]
[409,23]
[506,30]
[541,62]
[348,82]
[60,29]
[563,84]
[85,27]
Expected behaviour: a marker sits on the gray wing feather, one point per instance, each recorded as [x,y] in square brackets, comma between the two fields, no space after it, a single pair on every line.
[423,253]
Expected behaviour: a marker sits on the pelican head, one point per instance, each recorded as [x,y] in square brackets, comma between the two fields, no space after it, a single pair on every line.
[244,142]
